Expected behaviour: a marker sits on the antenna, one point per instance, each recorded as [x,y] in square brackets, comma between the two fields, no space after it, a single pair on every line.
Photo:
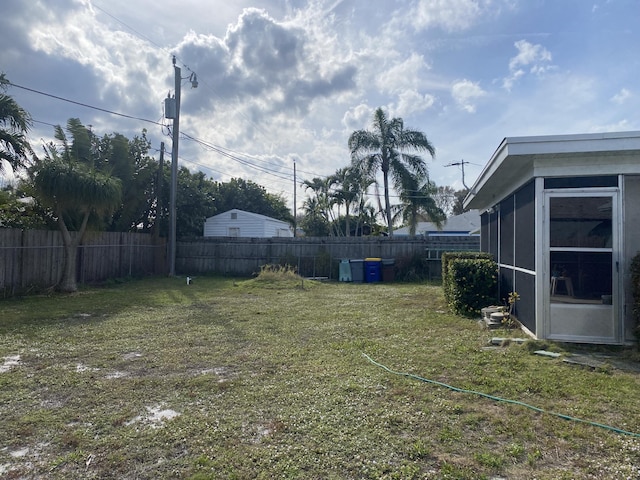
[461,163]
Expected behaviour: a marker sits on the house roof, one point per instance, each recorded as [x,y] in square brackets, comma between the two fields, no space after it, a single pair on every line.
[519,159]
[468,222]
[255,216]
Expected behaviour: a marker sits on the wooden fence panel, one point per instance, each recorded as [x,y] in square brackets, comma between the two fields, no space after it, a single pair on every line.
[311,256]
[36,257]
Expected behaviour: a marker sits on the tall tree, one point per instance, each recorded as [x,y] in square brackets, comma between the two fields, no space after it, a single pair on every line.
[129,161]
[249,196]
[67,181]
[14,126]
[347,187]
[445,198]
[320,200]
[388,147]
[458,206]
[314,223]
[418,204]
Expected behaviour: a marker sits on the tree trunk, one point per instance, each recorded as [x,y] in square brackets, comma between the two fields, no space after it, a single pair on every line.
[387,206]
[346,219]
[68,282]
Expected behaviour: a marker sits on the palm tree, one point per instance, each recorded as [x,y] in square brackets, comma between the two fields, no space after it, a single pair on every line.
[321,200]
[67,182]
[418,204]
[14,126]
[347,188]
[388,148]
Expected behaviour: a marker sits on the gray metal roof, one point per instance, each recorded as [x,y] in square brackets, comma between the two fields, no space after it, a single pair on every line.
[468,222]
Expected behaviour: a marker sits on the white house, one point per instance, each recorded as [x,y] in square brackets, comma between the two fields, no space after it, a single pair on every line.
[238,223]
[467,223]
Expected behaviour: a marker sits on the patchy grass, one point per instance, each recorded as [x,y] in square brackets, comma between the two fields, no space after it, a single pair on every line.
[239,379]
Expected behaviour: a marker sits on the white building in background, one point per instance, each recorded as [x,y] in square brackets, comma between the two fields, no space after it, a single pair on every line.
[238,223]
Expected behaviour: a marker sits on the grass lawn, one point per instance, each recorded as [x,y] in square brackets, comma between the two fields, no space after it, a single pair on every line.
[220,379]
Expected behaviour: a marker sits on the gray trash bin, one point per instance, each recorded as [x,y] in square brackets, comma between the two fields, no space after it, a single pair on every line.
[357,270]
[388,269]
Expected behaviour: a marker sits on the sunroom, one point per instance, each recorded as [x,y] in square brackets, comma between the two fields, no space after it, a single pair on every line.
[561,216]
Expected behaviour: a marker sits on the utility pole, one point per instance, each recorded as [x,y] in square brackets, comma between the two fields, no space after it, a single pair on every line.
[295,208]
[174,172]
[461,163]
[172,111]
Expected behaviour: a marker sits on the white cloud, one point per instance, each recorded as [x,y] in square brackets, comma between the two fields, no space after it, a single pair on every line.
[535,58]
[450,15]
[358,117]
[295,78]
[465,93]
[403,75]
[411,101]
[621,97]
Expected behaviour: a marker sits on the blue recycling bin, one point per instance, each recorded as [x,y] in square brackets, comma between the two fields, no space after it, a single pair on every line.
[373,270]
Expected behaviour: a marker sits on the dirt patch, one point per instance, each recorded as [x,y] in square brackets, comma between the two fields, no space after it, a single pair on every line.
[10,362]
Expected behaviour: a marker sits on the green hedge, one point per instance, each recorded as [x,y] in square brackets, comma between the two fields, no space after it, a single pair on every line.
[475,284]
[469,281]
[447,259]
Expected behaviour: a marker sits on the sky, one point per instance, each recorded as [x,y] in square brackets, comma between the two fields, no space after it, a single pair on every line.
[284,81]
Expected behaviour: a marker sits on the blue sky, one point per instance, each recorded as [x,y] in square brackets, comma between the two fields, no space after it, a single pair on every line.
[284,80]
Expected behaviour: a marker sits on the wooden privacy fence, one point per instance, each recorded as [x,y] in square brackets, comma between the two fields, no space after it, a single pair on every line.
[312,257]
[34,258]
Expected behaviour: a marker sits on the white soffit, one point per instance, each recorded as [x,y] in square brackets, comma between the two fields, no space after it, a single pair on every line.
[518,159]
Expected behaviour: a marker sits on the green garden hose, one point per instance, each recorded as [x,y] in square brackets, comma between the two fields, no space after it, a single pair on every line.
[498,399]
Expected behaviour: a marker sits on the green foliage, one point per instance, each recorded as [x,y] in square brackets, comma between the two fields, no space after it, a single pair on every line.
[387,148]
[15,123]
[22,212]
[70,183]
[418,204]
[251,197]
[314,224]
[447,258]
[129,161]
[473,285]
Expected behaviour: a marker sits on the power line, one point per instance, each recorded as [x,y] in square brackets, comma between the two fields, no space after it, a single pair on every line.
[228,153]
[85,104]
[204,143]
[268,171]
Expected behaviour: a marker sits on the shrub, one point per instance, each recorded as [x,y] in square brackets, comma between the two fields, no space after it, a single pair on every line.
[447,258]
[473,285]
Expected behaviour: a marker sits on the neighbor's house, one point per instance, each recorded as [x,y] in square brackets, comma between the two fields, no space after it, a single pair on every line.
[238,223]
[467,223]
[560,215]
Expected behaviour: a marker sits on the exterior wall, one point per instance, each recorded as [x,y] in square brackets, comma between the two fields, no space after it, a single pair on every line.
[516,252]
[631,221]
[249,225]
